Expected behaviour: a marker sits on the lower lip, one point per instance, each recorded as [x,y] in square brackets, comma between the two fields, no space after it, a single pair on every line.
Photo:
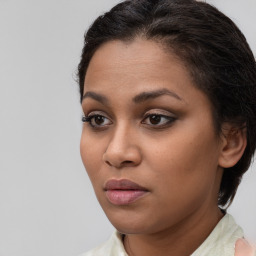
[124,197]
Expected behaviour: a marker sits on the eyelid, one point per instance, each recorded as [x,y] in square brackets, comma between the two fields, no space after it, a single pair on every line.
[97,113]
[159,112]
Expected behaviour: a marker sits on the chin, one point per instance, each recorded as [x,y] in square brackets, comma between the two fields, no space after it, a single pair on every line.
[127,221]
[131,228]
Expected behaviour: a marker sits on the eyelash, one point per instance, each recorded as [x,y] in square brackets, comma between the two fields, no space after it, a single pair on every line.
[170,120]
[88,119]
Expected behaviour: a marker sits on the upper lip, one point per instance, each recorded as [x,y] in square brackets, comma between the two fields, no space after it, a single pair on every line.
[122,184]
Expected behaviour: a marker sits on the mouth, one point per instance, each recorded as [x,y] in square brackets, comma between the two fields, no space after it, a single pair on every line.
[123,192]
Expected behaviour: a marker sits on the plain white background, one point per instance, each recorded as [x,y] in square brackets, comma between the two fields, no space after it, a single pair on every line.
[47,205]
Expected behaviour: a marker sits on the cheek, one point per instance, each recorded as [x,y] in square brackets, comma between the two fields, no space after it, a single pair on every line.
[91,155]
[185,164]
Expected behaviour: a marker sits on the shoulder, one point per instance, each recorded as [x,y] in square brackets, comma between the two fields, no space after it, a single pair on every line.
[112,247]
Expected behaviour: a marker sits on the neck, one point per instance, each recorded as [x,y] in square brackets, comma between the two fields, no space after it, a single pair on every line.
[190,232]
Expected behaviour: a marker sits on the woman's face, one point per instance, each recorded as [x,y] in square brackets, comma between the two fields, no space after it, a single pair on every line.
[148,124]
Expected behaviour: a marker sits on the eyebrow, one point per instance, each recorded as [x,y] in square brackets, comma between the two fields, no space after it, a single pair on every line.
[96,96]
[144,96]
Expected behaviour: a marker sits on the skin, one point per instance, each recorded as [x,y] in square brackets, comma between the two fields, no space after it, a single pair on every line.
[243,248]
[180,162]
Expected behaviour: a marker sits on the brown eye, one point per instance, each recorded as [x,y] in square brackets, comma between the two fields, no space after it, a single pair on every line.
[97,121]
[155,119]
[158,120]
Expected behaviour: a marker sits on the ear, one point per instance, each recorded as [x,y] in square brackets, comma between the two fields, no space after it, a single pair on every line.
[233,144]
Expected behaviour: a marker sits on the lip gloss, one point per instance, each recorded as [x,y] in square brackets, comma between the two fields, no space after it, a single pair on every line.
[124,197]
[123,192]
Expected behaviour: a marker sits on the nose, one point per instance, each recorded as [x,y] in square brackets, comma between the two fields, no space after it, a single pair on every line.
[122,150]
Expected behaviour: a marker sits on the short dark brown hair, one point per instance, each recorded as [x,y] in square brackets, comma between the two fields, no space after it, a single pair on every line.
[214,51]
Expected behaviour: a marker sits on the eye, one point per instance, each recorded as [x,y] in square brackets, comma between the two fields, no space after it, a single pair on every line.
[96,120]
[158,120]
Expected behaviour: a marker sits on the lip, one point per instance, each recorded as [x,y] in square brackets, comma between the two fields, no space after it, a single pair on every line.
[123,192]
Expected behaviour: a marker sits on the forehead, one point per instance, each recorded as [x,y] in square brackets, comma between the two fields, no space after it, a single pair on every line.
[137,63]
[118,55]
[138,50]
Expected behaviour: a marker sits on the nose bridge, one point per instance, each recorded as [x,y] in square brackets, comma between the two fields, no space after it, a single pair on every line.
[122,148]
[120,139]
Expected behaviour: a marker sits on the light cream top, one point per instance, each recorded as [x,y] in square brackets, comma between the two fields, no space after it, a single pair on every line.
[221,241]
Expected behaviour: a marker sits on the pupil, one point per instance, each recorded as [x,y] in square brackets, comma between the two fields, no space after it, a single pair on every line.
[99,120]
[155,119]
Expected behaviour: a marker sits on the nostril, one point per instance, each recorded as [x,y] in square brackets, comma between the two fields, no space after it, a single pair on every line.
[127,162]
[108,163]
[124,163]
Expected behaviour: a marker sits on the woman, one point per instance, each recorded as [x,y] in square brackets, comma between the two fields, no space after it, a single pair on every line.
[169,99]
